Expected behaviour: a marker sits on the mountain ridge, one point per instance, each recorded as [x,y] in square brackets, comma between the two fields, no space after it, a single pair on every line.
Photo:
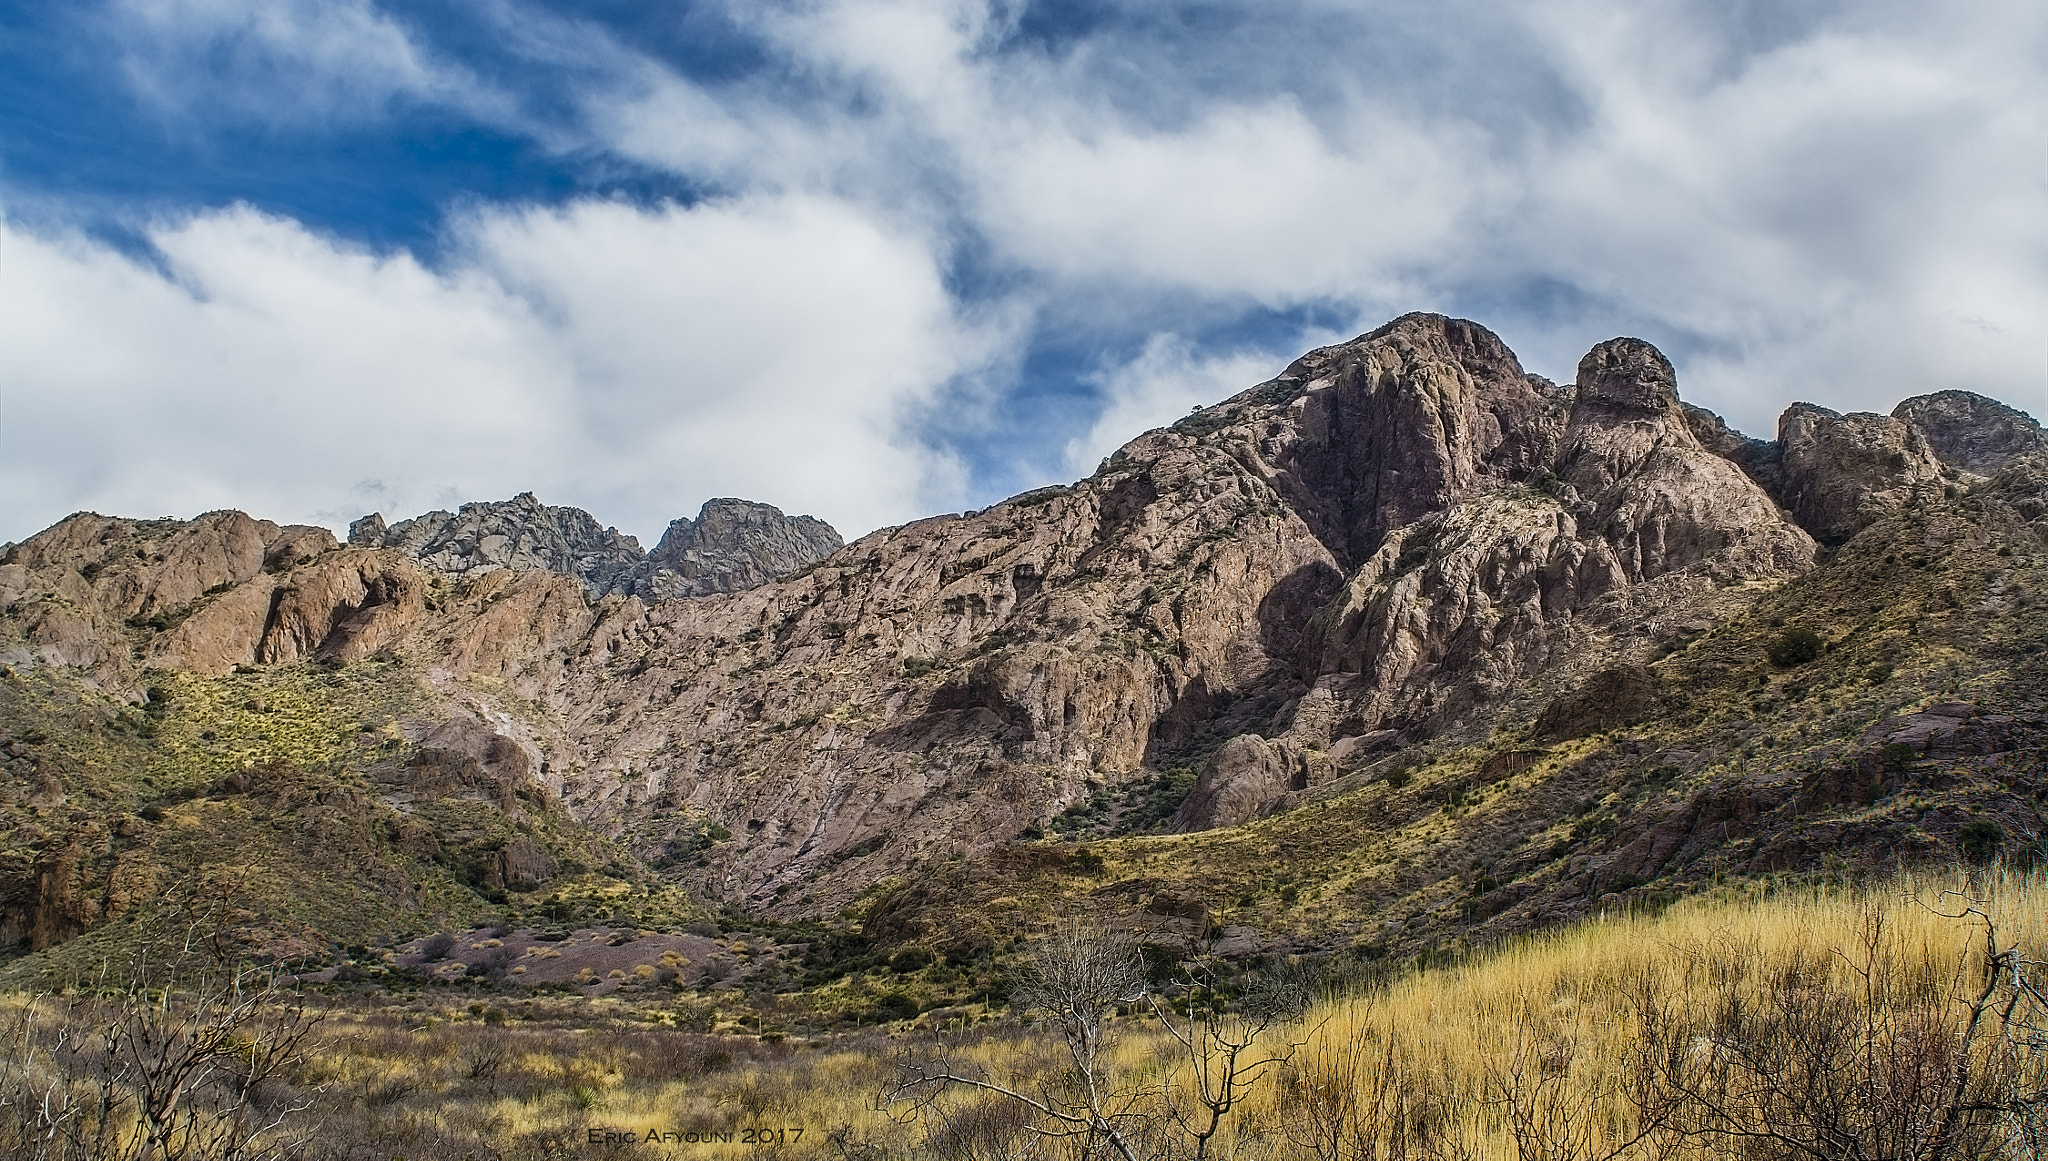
[1398,574]
[732,544]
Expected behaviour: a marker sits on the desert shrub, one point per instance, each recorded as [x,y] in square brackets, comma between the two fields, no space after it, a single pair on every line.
[1085,862]
[1794,646]
[437,947]
[1978,841]
[910,959]
[894,1006]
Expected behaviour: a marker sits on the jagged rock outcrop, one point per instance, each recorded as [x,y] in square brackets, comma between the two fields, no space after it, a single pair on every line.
[344,610]
[1759,459]
[520,533]
[731,545]
[1971,432]
[1650,491]
[1839,474]
[1458,604]
[77,593]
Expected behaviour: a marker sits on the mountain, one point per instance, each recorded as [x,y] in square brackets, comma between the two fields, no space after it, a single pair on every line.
[732,545]
[1403,646]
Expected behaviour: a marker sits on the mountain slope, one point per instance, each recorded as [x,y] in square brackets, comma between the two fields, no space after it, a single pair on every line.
[1401,623]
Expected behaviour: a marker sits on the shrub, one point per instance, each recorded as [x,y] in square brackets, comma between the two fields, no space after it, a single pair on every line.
[1978,841]
[1795,646]
[910,959]
[437,947]
[895,1006]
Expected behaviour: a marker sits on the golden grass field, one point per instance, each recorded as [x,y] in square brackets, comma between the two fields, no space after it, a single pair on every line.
[1816,1021]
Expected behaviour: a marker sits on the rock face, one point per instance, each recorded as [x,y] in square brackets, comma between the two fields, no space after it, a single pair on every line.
[520,533]
[81,592]
[1839,474]
[1398,540]
[732,545]
[1973,433]
[1456,607]
[1242,780]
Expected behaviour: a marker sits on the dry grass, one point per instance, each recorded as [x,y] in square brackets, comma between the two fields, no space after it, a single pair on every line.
[1552,1047]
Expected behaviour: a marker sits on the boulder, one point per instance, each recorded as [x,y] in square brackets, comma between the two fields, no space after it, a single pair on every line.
[1244,778]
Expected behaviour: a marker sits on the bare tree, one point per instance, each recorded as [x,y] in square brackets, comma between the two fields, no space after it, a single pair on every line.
[1076,978]
[1224,1049]
[1171,1105]
[1893,1066]
[186,1059]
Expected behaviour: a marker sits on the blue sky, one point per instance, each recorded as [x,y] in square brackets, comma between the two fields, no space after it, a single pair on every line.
[872,260]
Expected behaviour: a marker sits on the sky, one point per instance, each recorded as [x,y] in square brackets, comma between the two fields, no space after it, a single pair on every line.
[872,260]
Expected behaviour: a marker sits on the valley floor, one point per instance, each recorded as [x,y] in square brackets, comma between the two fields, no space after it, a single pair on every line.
[1901,1019]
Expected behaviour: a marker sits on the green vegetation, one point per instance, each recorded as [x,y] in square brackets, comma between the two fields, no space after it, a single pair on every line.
[1140,807]
[1795,646]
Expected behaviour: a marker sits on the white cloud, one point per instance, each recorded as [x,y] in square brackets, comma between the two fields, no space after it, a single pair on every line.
[280,60]
[1166,380]
[1849,217]
[1252,202]
[634,362]
[764,348]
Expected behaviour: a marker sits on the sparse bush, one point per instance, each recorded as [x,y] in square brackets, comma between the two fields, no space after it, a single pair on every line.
[895,1006]
[191,1058]
[910,959]
[1978,841]
[1794,646]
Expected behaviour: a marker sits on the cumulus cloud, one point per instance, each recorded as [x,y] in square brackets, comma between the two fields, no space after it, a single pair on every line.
[632,361]
[1840,216]
[1822,203]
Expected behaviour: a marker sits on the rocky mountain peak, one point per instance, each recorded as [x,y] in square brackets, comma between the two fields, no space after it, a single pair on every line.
[1971,432]
[1627,374]
[1400,422]
[520,533]
[1625,418]
[1839,474]
[732,545]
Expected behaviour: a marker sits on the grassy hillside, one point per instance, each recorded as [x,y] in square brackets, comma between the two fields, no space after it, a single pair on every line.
[290,795]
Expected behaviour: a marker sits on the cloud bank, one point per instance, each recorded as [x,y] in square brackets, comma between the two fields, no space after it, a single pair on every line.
[629,361]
